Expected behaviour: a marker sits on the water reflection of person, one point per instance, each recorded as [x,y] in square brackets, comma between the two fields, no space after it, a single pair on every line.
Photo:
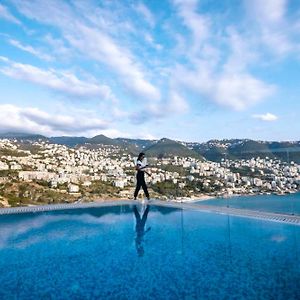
[140,229]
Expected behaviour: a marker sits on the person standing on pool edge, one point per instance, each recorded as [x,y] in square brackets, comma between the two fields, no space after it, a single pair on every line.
[140,176]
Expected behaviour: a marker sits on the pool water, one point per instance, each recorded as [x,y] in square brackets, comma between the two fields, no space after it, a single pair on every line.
[286,204]
[127,252]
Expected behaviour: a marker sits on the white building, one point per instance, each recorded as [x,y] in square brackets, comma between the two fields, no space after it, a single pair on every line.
[73,188]
[257,182]
[53,183]
[190,178]
[119,183]
[181,185]
[4,166]
[15,166]
[30,175]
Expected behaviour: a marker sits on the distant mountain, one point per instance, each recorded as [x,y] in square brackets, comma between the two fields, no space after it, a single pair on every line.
[214,150]
[166,148]
[248,148]
[22,136]
[245,149]
[70,141]
[138,143]
[287,151]
[103,140]
[135,146]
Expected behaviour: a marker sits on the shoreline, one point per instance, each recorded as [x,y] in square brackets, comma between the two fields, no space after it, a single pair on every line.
[227,196]
[193,199]
[187,200]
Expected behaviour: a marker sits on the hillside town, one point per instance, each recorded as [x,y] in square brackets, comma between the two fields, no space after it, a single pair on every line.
[43,172]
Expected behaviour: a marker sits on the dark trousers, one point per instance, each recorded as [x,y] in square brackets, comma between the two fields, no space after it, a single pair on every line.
[141,183]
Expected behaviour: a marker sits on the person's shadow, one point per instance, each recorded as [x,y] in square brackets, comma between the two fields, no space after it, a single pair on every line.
[140,229]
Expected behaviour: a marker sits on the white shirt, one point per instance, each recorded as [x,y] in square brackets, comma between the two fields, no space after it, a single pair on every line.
[141,164]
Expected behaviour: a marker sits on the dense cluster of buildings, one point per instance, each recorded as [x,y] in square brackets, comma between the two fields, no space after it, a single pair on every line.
[58,164]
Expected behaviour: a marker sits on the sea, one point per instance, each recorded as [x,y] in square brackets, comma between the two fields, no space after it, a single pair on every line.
[287,204]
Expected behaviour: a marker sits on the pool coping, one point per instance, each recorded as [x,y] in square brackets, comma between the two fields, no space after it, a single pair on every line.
[50,207]
[254,214]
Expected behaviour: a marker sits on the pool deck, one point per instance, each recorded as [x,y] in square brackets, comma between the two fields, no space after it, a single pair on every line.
[247,213]
[275,217]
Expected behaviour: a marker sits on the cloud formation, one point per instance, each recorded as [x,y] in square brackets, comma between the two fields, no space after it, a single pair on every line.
[216,65]
[60,81]
[146,13]
[275,32]
[6,15]
[268,11]
[33,120]
[198,25]
[91,41]
[153,61]
[31,50]
[101,47]
[265,117]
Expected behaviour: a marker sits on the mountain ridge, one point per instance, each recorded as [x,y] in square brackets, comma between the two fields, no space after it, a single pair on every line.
[213,149]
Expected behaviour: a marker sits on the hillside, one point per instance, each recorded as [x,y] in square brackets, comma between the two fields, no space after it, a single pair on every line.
[214,150]
[70,141]
[166,148]
[103,140]
[137,143]
[22,136]
[244,149]
[135,146]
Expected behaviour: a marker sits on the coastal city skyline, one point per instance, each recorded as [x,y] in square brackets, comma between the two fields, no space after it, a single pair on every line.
[105,172]
[187,70]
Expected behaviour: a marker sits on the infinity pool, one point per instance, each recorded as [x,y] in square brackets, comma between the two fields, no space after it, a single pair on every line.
[134,252]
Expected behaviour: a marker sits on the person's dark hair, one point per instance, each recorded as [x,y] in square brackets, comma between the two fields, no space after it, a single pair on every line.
[140,155]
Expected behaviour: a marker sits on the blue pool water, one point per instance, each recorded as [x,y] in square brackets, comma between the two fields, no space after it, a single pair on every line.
[289,204]
[115,253]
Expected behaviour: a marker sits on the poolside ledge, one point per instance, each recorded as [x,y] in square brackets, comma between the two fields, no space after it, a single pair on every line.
[275,217]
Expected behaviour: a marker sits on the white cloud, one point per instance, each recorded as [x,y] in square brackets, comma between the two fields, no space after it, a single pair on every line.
[216,59]
[235,90]
[267,11]
[91,41]
[63,122]
[112,133]
[274,32]
[241,52]
[239,91]
[265,117]
[4,59]
[146,13]
[102,48]
[60,81]
[177,104]
[198,24]
[34,120]
[5,14]
[149,39]
[31,50]
[220,71]
[173,105]
[146,136]
[277,41]
[58,46]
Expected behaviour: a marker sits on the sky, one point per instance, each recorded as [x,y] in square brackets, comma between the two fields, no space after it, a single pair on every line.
[184,69]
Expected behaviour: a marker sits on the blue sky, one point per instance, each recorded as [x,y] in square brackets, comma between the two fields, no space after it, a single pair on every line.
[184,69]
